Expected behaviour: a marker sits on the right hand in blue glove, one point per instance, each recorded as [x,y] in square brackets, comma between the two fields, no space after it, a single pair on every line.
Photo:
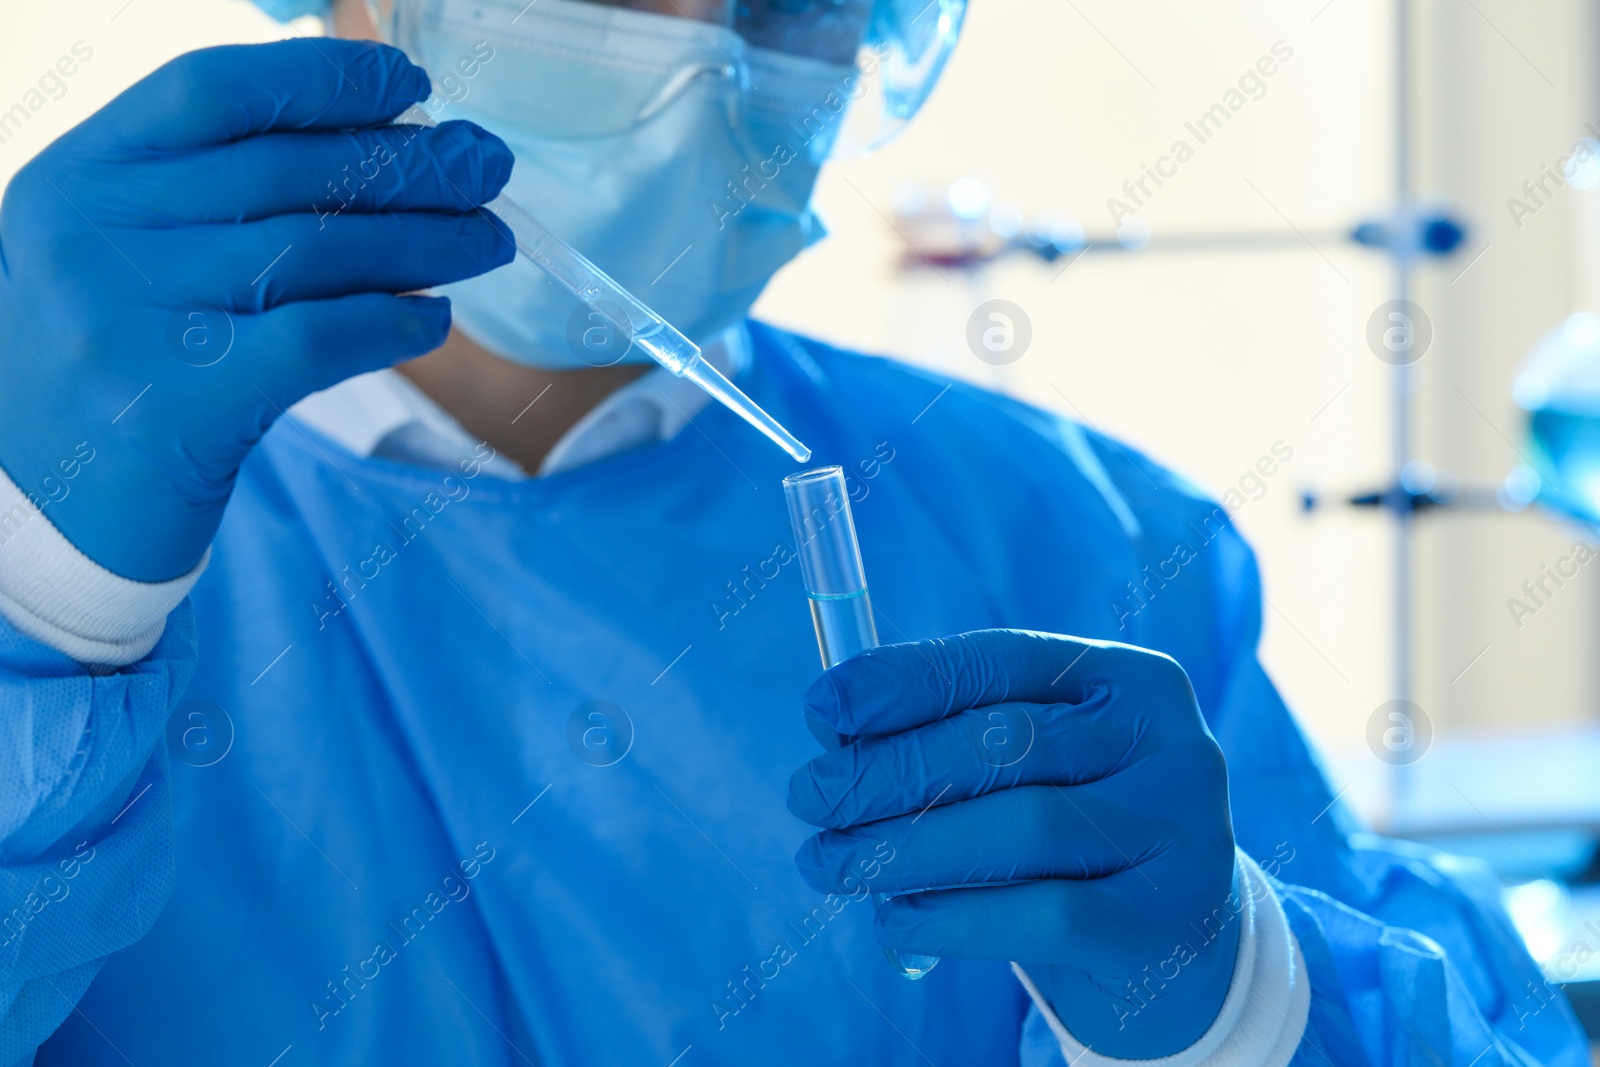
[1045,799]
[225,237]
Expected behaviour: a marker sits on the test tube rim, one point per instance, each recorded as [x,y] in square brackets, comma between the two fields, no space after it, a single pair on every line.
[815,474]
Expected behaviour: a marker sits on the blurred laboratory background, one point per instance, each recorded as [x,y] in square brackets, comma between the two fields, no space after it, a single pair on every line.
[1348,301]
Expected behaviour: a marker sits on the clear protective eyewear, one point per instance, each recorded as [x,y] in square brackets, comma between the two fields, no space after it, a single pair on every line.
[897,48]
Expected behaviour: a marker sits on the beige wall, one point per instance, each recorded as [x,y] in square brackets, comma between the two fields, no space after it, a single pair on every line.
[1502,94]
[1205,360]
[129,40]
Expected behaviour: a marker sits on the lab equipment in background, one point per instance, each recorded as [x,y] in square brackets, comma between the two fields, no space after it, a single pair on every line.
[962,226]
[568,268]
[1558,385]
[841,607]
[1424,487]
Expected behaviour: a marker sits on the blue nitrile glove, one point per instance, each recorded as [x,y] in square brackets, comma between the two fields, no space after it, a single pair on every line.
[1082,773]
[223,238]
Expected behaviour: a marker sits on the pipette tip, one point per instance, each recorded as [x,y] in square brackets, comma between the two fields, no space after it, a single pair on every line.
[707,377]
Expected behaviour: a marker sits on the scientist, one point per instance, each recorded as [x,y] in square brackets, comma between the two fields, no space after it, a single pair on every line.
[416,724]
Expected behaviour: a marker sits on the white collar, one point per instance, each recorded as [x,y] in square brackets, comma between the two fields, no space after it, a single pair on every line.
[383,414]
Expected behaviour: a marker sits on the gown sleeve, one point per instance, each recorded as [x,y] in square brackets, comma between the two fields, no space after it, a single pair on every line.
[86,861]
[1410,955]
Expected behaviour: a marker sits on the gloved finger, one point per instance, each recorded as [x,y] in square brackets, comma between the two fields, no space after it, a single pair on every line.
[1028,832]
[267,264]
[295,350]
[454,166]
[218,95]
[1077,923]
[966,755]
[249,369]
[895,687]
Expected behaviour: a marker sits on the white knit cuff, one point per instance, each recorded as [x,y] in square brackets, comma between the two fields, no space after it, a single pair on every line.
[1269,999]
[55,594]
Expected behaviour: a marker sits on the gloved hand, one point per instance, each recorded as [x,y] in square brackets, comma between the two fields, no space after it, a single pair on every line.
[1079,772]
[223,238]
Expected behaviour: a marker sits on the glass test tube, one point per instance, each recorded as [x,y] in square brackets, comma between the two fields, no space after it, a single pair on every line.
[841,608]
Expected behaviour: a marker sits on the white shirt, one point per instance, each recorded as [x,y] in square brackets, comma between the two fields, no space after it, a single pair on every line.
[383,414]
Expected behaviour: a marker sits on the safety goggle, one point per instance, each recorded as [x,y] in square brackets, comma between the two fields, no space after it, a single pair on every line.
[898,48]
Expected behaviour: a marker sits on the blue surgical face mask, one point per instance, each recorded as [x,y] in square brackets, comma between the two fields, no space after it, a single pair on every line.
[670,152]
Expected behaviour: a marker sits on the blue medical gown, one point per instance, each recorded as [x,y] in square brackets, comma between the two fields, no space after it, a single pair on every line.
[508,762]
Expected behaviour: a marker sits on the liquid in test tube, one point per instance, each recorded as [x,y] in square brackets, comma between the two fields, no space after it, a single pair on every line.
[841,607]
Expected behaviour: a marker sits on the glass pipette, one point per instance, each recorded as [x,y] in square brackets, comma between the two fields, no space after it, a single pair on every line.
[593,287]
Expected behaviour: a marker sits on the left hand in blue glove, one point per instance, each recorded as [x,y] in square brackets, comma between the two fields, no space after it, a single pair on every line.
[1071,792]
